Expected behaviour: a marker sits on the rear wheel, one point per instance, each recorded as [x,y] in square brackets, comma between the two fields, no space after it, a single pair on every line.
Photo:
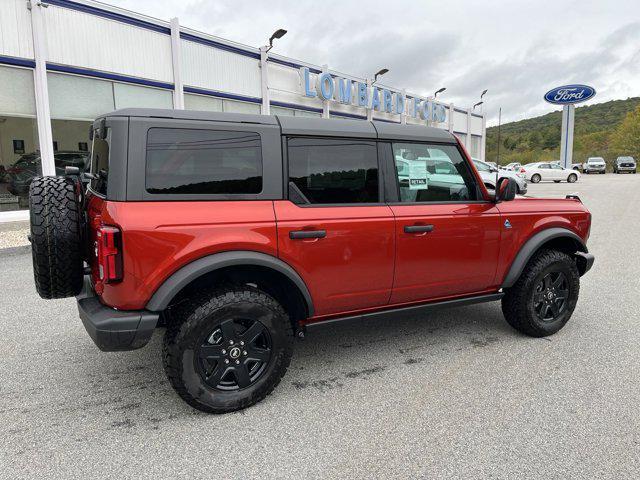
[535,178]
[572,178]
[56,237]
[227,350]
[543,299]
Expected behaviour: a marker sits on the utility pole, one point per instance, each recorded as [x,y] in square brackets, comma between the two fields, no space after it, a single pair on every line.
[499,123]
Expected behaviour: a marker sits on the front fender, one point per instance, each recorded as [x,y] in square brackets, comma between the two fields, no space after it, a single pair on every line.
[532,245]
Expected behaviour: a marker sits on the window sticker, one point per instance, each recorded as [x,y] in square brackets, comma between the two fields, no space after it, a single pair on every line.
[418,175]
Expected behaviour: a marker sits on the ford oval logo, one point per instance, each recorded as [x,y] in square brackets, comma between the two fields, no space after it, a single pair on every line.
[569,94]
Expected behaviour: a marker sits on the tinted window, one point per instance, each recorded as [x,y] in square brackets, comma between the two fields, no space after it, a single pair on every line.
[333,170]
[190,161]
[99,164]
[432,173]
[544,165]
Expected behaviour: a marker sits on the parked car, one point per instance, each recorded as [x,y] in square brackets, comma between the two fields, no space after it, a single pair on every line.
[514,166]
[488,174]
[21,173]
[624,164]
[537,172]
[594,165]
[200,222]
[576,166]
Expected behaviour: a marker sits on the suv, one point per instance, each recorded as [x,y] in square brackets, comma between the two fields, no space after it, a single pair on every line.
[594,165]
[236,232]
[624,164]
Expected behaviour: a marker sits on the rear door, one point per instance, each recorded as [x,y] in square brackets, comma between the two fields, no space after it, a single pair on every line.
[447,236]
[334,228]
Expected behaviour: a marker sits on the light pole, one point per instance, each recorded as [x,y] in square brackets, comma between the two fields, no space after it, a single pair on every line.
[264,80]
[440,90]
[477,105]
[371,83]
[379,73]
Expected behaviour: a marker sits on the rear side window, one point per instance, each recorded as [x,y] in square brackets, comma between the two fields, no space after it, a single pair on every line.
[326,171]
[100,164]
[193,161]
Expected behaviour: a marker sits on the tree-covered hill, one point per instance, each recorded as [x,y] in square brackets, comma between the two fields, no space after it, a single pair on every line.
[603,130]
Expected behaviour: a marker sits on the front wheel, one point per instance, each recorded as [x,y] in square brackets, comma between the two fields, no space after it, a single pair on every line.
[572,178]
[535,178]
[543,299]
[227,350]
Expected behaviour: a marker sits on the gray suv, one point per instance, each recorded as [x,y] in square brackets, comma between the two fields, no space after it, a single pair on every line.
[624,164]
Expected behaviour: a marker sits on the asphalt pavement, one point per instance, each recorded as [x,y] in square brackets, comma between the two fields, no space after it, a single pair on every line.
[456,394]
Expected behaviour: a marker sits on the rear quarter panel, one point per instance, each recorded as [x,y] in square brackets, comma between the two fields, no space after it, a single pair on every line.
[161,237]
[529,216]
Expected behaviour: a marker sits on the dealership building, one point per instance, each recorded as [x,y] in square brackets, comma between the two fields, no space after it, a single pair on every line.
[63,63]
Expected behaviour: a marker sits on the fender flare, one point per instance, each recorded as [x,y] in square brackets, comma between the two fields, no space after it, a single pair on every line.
[191,271]
[532,245]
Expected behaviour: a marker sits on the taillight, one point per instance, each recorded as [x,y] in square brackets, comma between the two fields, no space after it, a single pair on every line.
[522,170]
[109,243]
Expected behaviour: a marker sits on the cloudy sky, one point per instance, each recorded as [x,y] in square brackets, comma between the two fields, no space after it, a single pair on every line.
[516,49]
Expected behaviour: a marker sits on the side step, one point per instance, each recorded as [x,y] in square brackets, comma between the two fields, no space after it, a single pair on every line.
[425,307]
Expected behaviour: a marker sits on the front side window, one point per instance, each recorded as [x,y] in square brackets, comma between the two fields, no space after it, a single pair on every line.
[433,173]
[330,171]
[193,161]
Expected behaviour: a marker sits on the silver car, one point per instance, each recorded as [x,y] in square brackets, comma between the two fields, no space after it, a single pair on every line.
[488,174]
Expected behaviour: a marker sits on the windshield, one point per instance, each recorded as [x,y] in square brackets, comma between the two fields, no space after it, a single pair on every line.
[596,160]
[626,159]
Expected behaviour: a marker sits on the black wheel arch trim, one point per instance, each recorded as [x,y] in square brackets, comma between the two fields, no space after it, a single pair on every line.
[191,271]
[532,245]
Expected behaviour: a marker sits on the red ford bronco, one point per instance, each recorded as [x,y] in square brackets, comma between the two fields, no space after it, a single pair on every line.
[236,232]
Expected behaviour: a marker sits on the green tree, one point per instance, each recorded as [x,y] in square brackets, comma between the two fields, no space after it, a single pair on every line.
[625,140]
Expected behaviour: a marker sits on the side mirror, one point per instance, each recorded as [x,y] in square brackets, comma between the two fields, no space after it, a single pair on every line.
[506,189]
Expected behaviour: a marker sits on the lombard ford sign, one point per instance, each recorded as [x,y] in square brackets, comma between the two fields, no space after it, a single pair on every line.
[569,94]
[349,92]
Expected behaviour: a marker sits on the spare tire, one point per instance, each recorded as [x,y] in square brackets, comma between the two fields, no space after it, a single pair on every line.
[56,237]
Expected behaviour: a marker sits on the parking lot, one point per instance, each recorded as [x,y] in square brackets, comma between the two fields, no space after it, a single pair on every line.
[457,394]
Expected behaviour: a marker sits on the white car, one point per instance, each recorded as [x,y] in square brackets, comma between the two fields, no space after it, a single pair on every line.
[514,166]
[488,174]
[594,165]
[536,172]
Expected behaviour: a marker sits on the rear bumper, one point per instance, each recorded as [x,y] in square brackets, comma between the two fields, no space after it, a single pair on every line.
[114,330]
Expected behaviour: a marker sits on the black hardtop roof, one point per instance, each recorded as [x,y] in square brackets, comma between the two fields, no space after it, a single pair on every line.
[333,127]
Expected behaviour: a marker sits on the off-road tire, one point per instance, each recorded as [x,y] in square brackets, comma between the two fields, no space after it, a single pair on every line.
[56,237]
[195,318]
[572,178]
[517,304]
[535,178]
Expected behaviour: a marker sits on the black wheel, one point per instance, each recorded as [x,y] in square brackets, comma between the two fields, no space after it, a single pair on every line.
[572,178]
[227,350]
[535,178]
[56,237]
[556,181]
[602,173]
[544,297]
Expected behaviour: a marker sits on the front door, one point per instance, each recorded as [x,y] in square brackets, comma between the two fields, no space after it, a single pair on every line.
[447,237]
[334,229]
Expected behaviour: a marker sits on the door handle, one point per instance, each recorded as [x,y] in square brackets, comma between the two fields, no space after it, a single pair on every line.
[418,228]
[302,234]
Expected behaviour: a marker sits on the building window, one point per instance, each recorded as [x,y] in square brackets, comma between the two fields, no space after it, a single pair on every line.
[432,173]
[202,102]
[240,107]
[190,161]
[475,146]
[19,148]
[334,171]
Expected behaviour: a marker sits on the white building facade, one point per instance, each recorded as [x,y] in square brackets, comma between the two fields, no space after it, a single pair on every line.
[63,63]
